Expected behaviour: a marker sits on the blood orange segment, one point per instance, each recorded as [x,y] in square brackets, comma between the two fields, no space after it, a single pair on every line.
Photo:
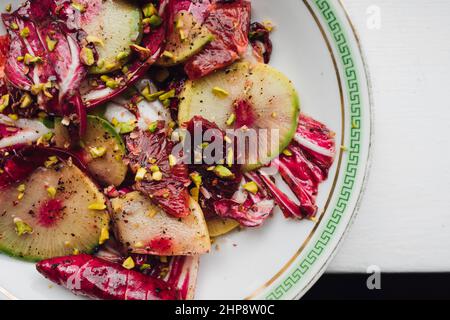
[187,38]
[149,151]
[230,24]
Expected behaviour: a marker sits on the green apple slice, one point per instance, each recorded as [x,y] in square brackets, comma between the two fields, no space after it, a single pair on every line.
[269,98]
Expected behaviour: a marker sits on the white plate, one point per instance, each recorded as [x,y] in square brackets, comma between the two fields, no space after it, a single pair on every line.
[315,45]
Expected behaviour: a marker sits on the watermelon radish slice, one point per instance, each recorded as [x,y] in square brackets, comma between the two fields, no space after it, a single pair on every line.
[46,215]
[257,95]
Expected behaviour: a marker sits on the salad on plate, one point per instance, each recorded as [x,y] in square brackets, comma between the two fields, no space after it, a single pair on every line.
[133,133]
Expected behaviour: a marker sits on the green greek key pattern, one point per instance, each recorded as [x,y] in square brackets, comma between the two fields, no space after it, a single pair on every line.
[353,155]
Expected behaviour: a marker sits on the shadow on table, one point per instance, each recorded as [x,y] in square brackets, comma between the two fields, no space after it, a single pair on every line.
[416,286]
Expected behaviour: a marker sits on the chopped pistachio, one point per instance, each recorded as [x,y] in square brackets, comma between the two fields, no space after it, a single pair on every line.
[168,95]
[14,26]
[97,152]
[78,6]
[22,227]
[25,101]
[153,127]
[122,56]
[125,69]
[51,191]
[251,187]
[157,176]
[75,252]
[145,266]
[51,161]
[20,58]
[152,212]
[220,92]
[287,152]
[146,21]
[155,21]
[115,122]
[129,263]
[4,102]
[21,188]
[149,10]
[195,192]
[140,174]
[230,157]
[95,40]
[182,34]
[172,124]
[146,93]
[154,168]
[20,196]
[166,103]
[51,44]
[172,160]
[8,7]
[223,172]
[36,89]
[99,206]
[104,235]
[25,32]
[29,59]
[110,65]
[113,84]
[45,88]
[143,52]
[126,127]
[13,116]
[168,55]
[196,179]
[44,139]
[268,25]
[87,56]
[231,119]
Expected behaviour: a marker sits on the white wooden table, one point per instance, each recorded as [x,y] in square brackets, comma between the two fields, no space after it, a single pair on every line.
[404,221]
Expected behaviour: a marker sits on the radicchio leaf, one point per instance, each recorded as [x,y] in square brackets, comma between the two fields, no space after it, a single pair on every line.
[313,151]
[55,73]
